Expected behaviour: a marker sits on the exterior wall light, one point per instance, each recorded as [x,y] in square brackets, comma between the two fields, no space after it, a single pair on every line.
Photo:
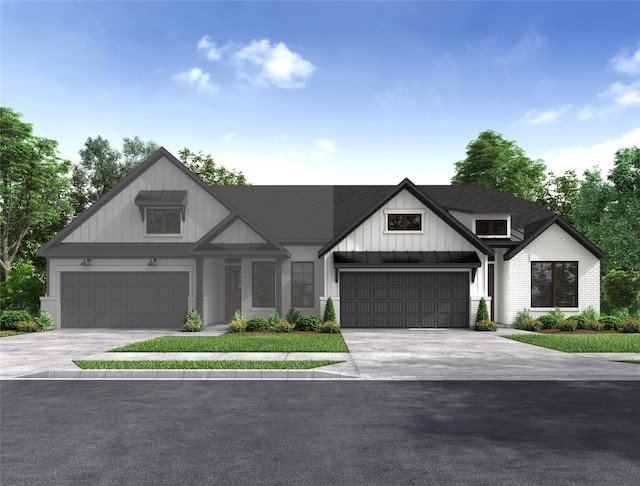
[153,262]
[86,262]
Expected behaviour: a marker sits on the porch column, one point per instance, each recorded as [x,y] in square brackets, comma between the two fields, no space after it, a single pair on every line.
[279,286]
[199,284]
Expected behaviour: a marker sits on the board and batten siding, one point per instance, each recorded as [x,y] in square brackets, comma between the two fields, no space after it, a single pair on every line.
[119,219]
[371,236]
[552,245]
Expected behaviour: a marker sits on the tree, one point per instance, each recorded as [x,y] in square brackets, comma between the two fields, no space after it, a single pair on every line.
[211,173]
[101,167]
[33,183]
[560,193]
[500,164]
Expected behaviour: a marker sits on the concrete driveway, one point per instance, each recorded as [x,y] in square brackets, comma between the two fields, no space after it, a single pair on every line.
[448,354]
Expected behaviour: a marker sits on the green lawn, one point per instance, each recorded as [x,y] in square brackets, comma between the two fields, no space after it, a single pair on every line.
[203,365]
[634,361]
[241,343]
[582,343]
[10,333]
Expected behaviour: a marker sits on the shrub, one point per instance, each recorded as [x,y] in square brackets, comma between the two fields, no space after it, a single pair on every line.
[23,287]
[486,325]
[580,320]
[238,316]
[329,311]
[258,324]
[530,325]
[594,325]
[308,323]
[568,325]
[236,326]
[274,319]
[26,326]
[631,325]
[192,322]
[611,322]
[483,311]
[590,313]
[292,316]
[44,321]
[521,316]
[549,321]
[284,326]
[330,327]
[558,314]
[10,318]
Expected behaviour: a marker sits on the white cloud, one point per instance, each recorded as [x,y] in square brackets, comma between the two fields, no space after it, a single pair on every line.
[228,137]
[195,76]
[278,65]
[211,51]
[581,158]
[587,113]
[323,146]
[627,63]
[535,117]
[623,94]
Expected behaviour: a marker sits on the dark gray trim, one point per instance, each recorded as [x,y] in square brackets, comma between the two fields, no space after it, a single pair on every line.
[407,185]
[120,250]
[199,285]
[278,291]
[161,199]
[541,226]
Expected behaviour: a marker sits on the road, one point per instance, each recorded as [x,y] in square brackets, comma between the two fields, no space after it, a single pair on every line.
[319,433]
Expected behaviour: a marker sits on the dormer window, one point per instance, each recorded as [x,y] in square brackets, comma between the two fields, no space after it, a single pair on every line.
[491,227]
[163,221]
[162,212]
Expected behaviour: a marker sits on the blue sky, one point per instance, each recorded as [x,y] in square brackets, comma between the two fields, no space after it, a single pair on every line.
[329,92]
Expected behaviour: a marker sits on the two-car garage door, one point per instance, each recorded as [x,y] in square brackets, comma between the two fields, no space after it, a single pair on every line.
[404,299]
[124,299]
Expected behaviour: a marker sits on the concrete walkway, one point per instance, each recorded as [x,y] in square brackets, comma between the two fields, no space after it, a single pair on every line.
[448,354]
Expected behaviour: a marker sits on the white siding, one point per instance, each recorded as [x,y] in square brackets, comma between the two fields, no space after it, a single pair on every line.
[553,245]
[119,220]
[465,218]
[238,232]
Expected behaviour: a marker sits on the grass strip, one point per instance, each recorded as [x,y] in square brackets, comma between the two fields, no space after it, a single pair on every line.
[222,364]
[241,343]
[634,361]
[582,343]
[10,333]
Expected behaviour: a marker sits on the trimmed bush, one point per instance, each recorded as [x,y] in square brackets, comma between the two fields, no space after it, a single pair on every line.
[308,323]
[594,325]
[521,316]
[238,316]
[558,314]
[611,322]
[284,326]
[44,321]
[192,327]
[10,318]
[274,319]
[568,325]
[236,326]
[530,325]
[486,325]
[192,322]
[329,311]
[550,321]
[631,325]
[580,320]
[590,313]
[258,324]
[292,316]
[483,311]
[26,326]
[330,327]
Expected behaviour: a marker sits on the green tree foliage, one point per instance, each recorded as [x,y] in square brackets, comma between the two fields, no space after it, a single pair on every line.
[483,311]
[23,288]
[101,167]
[33,185]
[561,193]
[329,312]
[621,288]
[500,164]
[211,173]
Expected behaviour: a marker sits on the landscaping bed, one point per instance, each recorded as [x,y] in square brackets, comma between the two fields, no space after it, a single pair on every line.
[203,364]
[595,342]
[579,331]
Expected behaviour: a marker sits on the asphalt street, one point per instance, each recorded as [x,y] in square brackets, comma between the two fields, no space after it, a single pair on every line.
[319,433]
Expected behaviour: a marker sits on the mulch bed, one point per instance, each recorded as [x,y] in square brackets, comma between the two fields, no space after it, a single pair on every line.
[578,331]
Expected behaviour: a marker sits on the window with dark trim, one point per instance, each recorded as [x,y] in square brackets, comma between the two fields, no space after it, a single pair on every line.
[263,284]
[302,284]
[554,284]
[491,227]
[163,221]
[404,222]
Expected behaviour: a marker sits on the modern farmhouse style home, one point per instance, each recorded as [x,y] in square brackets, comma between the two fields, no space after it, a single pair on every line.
[162,241]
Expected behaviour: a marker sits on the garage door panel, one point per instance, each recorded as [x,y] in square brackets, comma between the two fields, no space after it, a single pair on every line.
[404,299]
[124,299]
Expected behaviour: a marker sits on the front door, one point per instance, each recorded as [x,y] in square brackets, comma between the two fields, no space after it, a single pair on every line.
[233,291]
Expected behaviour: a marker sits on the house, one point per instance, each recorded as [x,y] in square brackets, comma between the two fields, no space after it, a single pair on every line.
[162,241]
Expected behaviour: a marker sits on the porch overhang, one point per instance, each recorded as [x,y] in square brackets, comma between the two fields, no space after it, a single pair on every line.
[408,259]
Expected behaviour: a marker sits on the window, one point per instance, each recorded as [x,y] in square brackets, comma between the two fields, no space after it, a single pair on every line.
[554,284]
[491,227]
[263,284]
[302,284]
[404,222]
[163,221]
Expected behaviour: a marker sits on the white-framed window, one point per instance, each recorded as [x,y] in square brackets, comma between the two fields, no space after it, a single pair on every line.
[163,221]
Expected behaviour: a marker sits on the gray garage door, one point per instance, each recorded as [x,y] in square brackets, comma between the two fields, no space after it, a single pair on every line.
[124,299]
[404,299]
